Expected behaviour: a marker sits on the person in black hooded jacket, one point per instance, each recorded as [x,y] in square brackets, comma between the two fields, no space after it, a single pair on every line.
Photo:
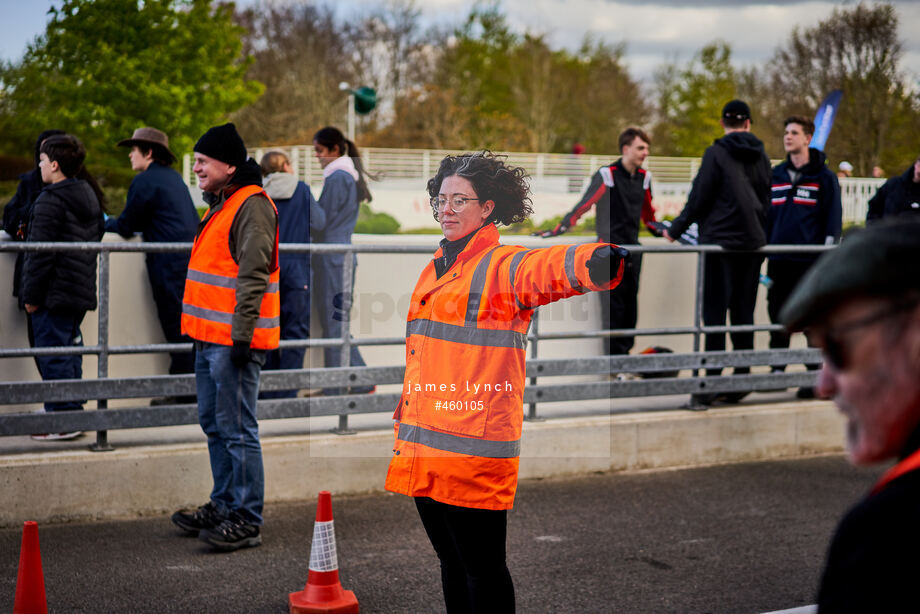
[897,196]
[17,211]
[58,288]
[729,200]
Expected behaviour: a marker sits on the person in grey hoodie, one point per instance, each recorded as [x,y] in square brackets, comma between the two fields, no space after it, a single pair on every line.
[344,188]
[729,200]
[298,213]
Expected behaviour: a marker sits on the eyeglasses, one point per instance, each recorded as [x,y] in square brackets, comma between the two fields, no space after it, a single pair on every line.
[457,203]
[832,341]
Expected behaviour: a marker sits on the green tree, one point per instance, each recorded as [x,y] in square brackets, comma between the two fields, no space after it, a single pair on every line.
[690,100]
[601,98]
[105,67]
[489,87]
[475,66]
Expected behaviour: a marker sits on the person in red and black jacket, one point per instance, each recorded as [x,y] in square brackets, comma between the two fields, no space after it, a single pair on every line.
[804,210]
[622,196]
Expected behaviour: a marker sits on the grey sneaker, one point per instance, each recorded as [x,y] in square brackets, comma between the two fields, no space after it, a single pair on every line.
[57,436]
[232,534]
[193,521]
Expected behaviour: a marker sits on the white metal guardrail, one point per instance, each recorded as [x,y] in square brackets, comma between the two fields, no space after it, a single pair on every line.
[550,172]
[104,388]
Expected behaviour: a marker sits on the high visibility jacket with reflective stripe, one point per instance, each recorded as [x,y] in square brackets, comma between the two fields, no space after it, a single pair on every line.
[210,288]
[458,424]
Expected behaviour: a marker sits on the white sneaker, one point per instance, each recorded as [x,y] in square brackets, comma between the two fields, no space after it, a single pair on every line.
[57,436]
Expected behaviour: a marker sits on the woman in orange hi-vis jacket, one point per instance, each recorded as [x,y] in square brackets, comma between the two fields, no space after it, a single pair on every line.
[458,424]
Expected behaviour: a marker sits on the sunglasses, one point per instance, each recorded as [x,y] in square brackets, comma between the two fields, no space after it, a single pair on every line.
[833,340]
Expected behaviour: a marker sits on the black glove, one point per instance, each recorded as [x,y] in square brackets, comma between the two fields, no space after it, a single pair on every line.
[560,228]
[240,354]
[605,262]
[656,228]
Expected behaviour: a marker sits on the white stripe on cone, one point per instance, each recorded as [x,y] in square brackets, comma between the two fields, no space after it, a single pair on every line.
[322,553]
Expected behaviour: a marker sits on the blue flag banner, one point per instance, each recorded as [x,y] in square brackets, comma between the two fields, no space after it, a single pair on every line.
[824,119]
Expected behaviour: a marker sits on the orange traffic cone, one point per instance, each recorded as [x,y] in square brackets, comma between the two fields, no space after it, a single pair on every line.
[323,592]
[30,582]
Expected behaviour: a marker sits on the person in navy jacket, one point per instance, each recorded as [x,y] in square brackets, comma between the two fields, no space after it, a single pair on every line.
[298,211]
[897,196]
[160,207]
[804,210]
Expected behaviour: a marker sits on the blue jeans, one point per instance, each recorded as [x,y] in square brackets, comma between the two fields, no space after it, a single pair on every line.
[227,414]
[54,328]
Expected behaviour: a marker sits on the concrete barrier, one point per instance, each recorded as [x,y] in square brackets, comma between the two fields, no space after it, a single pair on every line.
[76,484]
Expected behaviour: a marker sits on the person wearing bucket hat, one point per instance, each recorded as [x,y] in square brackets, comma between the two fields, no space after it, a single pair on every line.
[861,305]
[231,308]
[160,208]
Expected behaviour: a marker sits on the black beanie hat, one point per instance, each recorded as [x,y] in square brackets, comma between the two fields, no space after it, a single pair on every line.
[223,143]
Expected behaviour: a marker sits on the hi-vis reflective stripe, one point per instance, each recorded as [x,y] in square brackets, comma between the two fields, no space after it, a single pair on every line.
[464,334]
[222,281]
[477,286]
[457,443]
[570,268]
[222,317]
[322,554]
[515,262]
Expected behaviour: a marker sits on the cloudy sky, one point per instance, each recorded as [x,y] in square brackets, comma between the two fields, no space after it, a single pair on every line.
[655,31]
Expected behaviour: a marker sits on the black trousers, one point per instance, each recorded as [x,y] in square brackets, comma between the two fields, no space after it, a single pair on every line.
[786,275]
[620,308]
[730,288]
[470,544]
[166,273]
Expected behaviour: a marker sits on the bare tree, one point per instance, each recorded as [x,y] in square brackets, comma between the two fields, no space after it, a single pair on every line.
[856,49]
[301,56]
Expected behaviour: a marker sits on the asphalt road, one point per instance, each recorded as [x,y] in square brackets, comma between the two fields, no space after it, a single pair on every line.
[735,538]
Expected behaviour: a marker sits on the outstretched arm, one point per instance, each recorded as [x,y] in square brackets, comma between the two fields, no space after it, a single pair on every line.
[542,276]
[592,195]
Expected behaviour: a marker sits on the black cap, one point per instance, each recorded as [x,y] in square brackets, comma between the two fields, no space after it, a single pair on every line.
[736,110]
[223,143]
[882,260]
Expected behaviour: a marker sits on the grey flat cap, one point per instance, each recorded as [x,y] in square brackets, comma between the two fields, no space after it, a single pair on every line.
[882,260]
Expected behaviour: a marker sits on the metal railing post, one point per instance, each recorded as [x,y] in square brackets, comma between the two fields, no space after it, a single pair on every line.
[102,370]
[534,337]
[347,279]
[698,305]
[698,300]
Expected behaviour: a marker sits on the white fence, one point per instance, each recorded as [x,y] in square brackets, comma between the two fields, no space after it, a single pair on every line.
[557,180]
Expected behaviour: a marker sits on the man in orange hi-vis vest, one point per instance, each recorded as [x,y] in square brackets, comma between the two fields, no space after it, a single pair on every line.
[861,305]
[459,421]
[231,308]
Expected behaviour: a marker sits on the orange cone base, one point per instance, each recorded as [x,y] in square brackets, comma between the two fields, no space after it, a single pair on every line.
[344,602]
[30,582]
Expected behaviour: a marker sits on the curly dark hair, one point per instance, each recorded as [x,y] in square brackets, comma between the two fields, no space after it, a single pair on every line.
[493,179]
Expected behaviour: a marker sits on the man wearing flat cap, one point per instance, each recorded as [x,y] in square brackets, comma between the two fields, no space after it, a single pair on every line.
[160,207]
[232,310]
[729,199]
[861,305]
